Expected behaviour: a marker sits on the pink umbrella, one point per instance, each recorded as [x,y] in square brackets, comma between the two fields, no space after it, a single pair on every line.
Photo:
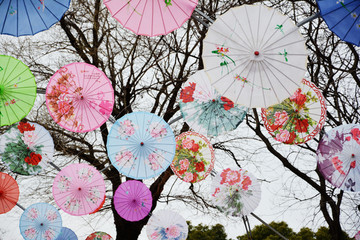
[151,18]
[133,200]
[79,97]
[79,189]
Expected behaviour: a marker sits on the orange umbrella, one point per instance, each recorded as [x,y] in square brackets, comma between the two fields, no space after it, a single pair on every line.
[9,192]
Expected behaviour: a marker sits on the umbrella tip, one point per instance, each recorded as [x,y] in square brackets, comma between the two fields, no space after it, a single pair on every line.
[79,188]
[352,155]
[256,53]
[142,143]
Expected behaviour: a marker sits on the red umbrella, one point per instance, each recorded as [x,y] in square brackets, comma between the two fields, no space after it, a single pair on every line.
[9,192]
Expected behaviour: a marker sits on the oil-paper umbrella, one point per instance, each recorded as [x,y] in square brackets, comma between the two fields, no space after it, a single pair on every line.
[17,90]
[194,157]
[28,17]
[79,97]
[338,157]
[9,192]
[133,200]
[342,17]
[67,234]
[78,189]
[357,236]
[141,145]
[205,110]
[236,192]
[166,225]
[26,148]
[254,55]
[40,221]
[151,18]
[299,118]
[99,236]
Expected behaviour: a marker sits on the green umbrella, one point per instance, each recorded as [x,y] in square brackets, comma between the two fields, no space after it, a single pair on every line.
[17,90]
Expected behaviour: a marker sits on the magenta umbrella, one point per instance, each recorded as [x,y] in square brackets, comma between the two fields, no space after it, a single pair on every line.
[133,200]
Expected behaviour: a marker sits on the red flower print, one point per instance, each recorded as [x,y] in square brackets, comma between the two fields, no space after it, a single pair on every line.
[338,164]
[291,138]
[230,176]
[25,127]
[228,104]
[181,172]
[63,107]
[355,132]
[34,159]
[302,125]
[246,182]
[186,93]
[200,167]
[298,98]
[217,190]
[195,147]
[353,164]
[195,176]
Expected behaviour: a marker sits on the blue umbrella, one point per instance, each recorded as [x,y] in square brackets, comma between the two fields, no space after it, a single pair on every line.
[40,221]
[342,17]
[141,145]
[67,234]
[28,17]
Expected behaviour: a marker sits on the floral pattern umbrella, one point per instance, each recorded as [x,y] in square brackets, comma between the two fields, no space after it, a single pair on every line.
[254,55]
[342,17]
[26,148]
[80,97]
[78,189]
[338,157]
[194,158]
[151,18]
[357,236]
[166,225]
[299,118]
[9,192]
[40,221]
[133,200]
[28,17]
[99,236]
[141,145]
[236,192]
[67,234]
[205,110]
[17,89]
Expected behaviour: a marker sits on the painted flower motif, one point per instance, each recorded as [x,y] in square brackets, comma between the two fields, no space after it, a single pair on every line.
[186,94]
[51,215]
[230,177]
[188,177]
[22,126]
[228,104]
[105,108]
[200,167]
[222,50]
[246,183]
[85,174]
[124,158]
[202,95]
[217,190]
[64,183]
[49,234]
[34,159]
[30,233]
[155,160]
[338,164]
[302,125]
[63,107]
[29,138]
[188,143]
[93,195]
[33,213]
[354,15]
[126,128]
[184,164]
[283,135]
[155,235]
[72,205]
[355,132]
[298,98]
[280,118]
[195,147]
[172,231]
[353,164]
[157,130]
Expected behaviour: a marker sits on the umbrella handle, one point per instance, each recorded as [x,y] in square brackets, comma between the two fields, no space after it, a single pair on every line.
[271,228]
[56,167]
[17,204]
[309,19]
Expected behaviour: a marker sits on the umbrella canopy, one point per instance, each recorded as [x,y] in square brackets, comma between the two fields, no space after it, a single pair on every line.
[205,110]
[28,17]
[99,236]
[167,225]
[254,55]
[67,234]
[26,148]
[9,192]
[141,145]
[194,158]
[236,192]
[133,200]
[151,18]
[40,221]
[299,118]
[338,157]
[342,17]
[79,97]
[17,89]
[78,189]
[357,236]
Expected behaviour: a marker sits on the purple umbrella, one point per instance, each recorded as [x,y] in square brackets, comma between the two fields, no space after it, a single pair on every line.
[133,200]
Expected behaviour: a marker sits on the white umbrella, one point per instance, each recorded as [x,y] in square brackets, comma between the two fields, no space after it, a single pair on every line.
[255,56]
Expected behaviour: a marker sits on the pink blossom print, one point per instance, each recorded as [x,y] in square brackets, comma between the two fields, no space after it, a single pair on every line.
[188,177]
[155,160]
[105,108]
[280,118]
[338,164]
[85,174]
[355,132]
[157,130]
[188,143]
[49,234]
[29,138]
[33,214]
[72,205]
[230,177]
[51,216]
[155,235]
[30,233]
[93,195]
[64,183]
[283,135]
[125,158]
[126,128]
[184,164]
[173,231]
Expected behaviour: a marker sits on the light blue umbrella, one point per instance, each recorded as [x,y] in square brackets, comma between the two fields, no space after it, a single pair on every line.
[141,145]
[40,221]
[28,17]
[67,234]
[342,17]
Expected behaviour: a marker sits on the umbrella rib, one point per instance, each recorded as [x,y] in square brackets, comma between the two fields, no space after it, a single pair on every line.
[162,17]
[6,76]
[8,8]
